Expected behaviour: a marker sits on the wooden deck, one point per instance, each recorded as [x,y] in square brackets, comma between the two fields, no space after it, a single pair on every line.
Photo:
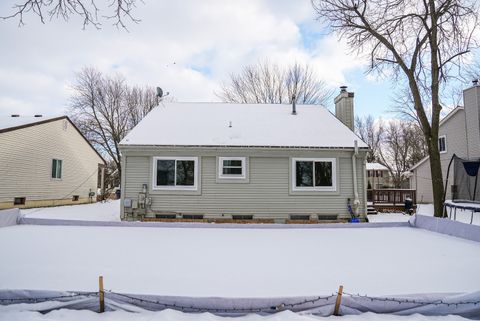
[391,200]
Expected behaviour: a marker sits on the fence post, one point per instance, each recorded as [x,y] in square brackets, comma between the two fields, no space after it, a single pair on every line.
[336,311]
[101,294]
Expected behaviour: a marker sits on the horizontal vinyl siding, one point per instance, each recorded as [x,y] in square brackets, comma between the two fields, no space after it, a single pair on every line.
[456,142]
[26,163]
[423,183]
[266,195]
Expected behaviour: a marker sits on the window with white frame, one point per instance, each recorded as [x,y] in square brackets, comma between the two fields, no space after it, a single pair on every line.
[442,144]
[314,174]
[57,168]
[232,167]
[175,173]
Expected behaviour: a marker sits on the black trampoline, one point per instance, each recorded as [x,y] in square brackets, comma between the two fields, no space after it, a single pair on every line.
[465,189]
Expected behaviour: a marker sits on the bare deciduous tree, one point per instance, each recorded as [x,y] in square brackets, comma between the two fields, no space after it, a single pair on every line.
[420,42]
[402,146]
[370,131]
[270,83]
[88,10]
[105,108]
[474,71]
[396,144]
[139,102]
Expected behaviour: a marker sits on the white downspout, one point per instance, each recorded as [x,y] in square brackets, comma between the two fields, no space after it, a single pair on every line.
[356,201]
[365,184]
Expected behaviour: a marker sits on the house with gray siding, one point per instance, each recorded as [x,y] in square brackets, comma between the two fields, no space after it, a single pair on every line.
[46,162]
[459,134]
[244,161]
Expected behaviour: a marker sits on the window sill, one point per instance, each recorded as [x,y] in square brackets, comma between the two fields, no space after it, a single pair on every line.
[175,191]
[313,189]
[231,177]
[327,192]
[175,188]
[232,180]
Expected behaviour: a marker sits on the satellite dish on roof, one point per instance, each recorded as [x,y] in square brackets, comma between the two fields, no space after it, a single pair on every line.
[160,95]
[159,92]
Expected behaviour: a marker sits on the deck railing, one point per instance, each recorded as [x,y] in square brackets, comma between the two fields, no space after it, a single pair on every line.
[391,196]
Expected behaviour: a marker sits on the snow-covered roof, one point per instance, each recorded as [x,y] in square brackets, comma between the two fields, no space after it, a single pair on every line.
[12,122]
[376,167]
[8,123]
[226,124]
[451,114]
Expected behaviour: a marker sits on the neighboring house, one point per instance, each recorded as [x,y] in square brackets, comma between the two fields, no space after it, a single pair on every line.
[244,161]
[459,134]
[378,176]
[46,162]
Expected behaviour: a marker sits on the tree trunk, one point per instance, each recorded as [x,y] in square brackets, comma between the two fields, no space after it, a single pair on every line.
[437,177]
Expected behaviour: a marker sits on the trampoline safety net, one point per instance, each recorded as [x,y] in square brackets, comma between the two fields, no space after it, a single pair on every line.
[465,185]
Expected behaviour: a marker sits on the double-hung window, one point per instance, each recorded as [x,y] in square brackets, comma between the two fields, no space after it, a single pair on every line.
[442,144]
[57,168]
[314,174]
[175,173]
[232,167]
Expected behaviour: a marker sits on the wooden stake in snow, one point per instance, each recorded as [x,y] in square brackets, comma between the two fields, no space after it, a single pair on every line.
[336,311]
[101,294]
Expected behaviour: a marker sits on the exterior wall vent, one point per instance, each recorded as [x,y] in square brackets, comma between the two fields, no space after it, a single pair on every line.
[19,201]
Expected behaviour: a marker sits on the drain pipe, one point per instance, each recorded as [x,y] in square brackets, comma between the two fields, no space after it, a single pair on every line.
[356,201]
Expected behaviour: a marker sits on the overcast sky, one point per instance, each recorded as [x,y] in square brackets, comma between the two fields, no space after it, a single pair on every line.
[186,47]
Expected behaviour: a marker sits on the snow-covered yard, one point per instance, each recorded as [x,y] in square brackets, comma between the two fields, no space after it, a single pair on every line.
[110,211]
[388,217]
[237,262]
[16,314]
[463,216]
[228,262]
[101,211]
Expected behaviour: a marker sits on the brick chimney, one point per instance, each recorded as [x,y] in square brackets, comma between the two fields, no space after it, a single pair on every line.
[344,107]
[471,100]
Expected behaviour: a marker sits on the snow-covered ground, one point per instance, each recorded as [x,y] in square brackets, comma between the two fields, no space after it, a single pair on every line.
[110,211]
[237,262]
[388,217]
[463,216]
[100,211]
[12,313]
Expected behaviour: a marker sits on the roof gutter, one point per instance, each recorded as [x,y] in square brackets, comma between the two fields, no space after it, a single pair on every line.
[127,146]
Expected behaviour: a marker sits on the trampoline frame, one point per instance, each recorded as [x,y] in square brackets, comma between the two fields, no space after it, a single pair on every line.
[463,204]
[453,206]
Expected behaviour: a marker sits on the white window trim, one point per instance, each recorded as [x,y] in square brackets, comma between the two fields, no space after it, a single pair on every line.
[232,176]
[61,171]
[332,188]
[175,187]
[440,137]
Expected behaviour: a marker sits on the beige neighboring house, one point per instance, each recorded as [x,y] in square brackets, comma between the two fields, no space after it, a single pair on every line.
[244,161]
[46,162]
[378,176]
[459,134]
